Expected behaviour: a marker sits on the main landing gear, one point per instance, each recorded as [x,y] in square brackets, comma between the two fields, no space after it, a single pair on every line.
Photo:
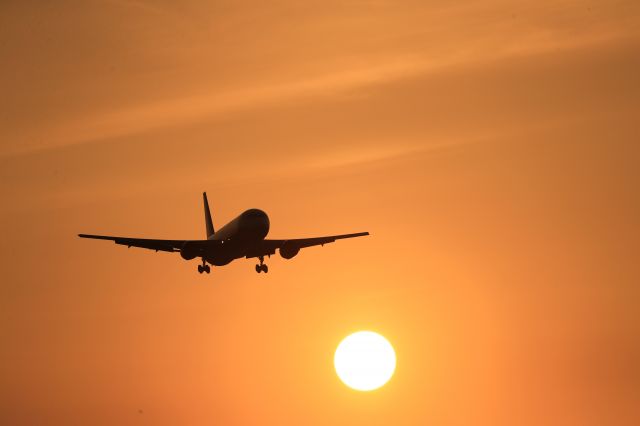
[204,267]
[262,267]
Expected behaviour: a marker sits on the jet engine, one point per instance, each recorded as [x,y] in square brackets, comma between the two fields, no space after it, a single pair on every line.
[189,251]
[289,250]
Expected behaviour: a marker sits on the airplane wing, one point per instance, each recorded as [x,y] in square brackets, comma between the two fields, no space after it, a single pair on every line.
[292,246]
[157,245]
[288,247]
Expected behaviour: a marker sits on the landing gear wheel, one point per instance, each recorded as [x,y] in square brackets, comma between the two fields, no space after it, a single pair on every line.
[261,267]
[204,267]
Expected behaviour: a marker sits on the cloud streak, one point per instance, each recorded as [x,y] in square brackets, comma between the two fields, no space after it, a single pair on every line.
[221,104]
[201,72]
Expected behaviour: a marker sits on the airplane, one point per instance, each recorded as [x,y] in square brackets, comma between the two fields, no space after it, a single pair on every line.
[244,236]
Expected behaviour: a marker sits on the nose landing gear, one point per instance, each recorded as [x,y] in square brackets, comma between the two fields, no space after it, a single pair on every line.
[261,267]
[204,267]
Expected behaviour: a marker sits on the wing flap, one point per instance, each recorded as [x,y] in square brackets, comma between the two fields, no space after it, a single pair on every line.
[269,247]
[309,242]
[151,244]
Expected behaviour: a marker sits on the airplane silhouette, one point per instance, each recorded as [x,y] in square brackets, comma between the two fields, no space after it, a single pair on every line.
[244,236]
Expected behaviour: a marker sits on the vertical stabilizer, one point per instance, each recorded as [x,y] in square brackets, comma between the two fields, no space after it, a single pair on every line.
[207,216]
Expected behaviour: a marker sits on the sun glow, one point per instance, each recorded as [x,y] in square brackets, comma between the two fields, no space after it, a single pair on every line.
[364,360]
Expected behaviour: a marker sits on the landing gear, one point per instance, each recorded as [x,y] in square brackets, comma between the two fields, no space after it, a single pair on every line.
[204,267]
[262,267]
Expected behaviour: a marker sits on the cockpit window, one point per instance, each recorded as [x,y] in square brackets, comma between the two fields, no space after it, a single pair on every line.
[254,213]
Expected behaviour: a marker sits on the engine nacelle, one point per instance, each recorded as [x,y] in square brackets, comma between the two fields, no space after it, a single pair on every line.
[189,251]
[289,250]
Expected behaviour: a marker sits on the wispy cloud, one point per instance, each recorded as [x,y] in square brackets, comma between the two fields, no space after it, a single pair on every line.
[193,66]
[216,105]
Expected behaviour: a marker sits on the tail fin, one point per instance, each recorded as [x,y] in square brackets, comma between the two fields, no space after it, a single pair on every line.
[207,216]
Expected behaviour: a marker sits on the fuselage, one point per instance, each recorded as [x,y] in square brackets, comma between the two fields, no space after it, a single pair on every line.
[250,227]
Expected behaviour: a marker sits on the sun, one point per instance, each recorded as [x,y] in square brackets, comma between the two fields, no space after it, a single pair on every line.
[364,360]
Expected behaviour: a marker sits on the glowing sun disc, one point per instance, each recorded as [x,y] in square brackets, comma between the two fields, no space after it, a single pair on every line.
[364,360]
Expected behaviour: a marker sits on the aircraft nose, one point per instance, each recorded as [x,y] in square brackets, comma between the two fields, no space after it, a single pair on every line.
[257,221]
[264,221]
[264,224]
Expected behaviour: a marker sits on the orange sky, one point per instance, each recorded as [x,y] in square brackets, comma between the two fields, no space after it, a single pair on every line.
[490,147]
